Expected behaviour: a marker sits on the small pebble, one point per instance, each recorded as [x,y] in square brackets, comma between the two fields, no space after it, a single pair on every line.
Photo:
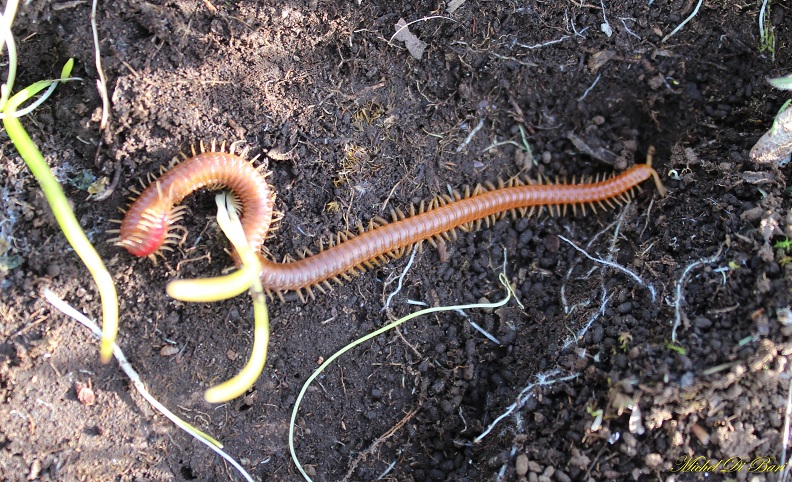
[85,394]
[552,243]
[702,323]
[169,350]
[53,270]
[521,465]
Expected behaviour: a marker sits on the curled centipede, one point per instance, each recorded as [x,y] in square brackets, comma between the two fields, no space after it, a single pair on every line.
[148,223]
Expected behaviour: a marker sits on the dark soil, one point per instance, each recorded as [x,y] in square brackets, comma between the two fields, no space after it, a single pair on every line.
[351,125]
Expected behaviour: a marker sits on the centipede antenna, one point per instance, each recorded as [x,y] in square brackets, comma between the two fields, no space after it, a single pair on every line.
[650,152]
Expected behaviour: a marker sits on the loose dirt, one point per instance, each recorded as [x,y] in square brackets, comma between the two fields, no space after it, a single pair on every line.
[590,378]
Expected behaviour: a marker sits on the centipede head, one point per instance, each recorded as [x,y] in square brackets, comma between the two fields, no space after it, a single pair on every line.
[148,234]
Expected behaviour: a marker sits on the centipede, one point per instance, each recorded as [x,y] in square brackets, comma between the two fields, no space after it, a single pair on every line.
[147,227]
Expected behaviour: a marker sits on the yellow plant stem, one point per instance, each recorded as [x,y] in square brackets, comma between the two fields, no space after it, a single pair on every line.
[208,290]
[63,213]
[236,386]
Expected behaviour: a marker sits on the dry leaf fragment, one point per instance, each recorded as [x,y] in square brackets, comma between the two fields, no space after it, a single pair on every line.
[413,43]
[599,153]
[599,59]
[776,145]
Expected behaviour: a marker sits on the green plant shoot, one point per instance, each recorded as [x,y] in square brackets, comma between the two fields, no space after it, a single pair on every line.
[60,207]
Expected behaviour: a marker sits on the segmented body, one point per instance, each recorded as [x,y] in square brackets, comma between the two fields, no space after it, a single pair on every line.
[153,212]
[146,223]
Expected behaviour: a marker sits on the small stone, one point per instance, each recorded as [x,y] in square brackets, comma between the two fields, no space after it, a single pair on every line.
[85,394]
[752,214]
[521,465]
[653,460]
[552,243]
[562,477]
[169,350]
[35,470]
[702,323]
[53,270]
[232,355]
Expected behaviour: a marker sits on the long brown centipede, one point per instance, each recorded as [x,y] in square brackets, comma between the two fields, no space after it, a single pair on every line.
[148,221]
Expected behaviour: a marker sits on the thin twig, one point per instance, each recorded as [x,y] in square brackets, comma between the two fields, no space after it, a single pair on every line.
[101,83]
[680,296]
[205,439]
[401,281]
[484,332]
[605,27]
[470,136]
[684,22]
[586,93]
[615,266]
[538,46]
[600,312]
[416,21]
[523,397]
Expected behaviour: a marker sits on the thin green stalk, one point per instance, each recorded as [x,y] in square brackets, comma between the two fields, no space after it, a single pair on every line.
[509,293]
[63,213]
